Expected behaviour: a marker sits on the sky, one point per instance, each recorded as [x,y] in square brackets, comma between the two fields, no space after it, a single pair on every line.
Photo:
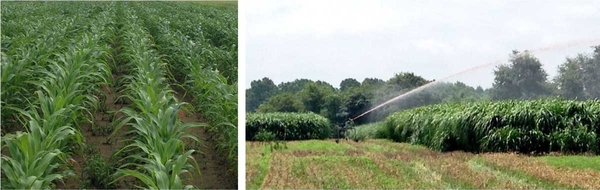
[335,40]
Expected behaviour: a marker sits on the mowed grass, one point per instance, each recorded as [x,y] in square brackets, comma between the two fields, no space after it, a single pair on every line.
[577,162]
[384,164]
[233,4]
[260,164]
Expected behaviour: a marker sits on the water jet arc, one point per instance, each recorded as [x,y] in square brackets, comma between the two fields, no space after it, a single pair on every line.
[543,49]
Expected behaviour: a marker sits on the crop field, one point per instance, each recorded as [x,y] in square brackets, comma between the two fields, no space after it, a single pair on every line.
[380,163]
[538,126]
[118,95]
[222,3]
[545,143]
[296,126]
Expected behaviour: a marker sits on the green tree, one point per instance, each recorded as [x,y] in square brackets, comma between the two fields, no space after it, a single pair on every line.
[479,90]
[355,104]
[325,85]
[570,78]
[504,87]
[579,77]
[284,102]
[374,82]
[349,83]
[457,92]
[294,86]
[332,108]
[524,78]
[399,84]
[406,81]
[591,75]
[313,97]
[371,85]
[260,90]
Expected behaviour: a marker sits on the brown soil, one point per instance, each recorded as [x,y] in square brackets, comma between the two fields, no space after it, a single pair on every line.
[213,168]
[307,153]
[103,143]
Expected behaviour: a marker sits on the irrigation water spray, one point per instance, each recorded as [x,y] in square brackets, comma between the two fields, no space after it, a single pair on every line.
[543,49]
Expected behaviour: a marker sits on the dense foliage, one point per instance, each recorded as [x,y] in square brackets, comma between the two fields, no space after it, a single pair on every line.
[538,126]
[61,60]
[579,77]
[203,59]
[523,77]
[353,98]
[52,67]
[159,153]
[288,126]
[366,131]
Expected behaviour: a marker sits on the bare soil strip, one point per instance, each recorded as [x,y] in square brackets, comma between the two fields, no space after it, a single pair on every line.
[213,168]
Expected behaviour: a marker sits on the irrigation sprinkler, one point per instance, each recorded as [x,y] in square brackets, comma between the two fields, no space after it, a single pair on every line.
[341,130]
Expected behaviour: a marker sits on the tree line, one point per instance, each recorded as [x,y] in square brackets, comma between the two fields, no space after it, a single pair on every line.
[522,78]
